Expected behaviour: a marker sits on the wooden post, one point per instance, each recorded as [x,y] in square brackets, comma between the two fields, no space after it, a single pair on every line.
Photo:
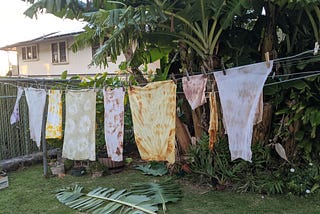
[44,142]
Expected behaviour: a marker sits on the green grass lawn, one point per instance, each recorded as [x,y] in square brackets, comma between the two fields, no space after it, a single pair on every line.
[30,192]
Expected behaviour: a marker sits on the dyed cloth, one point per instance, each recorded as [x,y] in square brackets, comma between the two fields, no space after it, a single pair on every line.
[36,100]
[54,118]
[15,116]
[194,89]
[239,92]
[153,110]
[79,134]
[213,126]
[114,122]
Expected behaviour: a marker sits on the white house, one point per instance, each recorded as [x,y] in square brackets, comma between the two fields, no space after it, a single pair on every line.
[50,55]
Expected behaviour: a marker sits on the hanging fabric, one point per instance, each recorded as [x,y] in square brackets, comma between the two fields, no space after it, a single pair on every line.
[194,90]
[239,92]
[213,126]
[114,122]
[15,116]
[36,100]
[79,134]
[54,118]
[153,110]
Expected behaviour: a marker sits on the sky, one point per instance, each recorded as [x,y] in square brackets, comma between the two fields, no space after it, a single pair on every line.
[16,27]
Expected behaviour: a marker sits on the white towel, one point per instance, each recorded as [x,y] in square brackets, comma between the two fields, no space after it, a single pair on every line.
[79,135]
[114,122]
[15,116]
[36,100]
[239,92]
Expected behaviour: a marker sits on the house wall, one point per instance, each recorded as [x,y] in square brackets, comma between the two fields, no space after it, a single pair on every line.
[78,63]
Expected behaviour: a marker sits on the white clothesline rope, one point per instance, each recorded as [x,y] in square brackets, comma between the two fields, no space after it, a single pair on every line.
[65,85]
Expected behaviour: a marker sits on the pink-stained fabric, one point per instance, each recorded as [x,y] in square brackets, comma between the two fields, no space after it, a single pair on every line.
[15,116]
[239,92]
[114,122]
[194,90]
[36,100]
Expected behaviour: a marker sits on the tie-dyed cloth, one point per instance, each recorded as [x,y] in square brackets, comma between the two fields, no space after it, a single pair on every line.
[114,122]
[213,127]
[15,116]
[36,100]
[54,118]
[239,92]
[79,134]
[194,89]
[153,110]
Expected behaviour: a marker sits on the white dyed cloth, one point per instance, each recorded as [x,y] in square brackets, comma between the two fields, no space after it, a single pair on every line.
[79,135]
[36,100]
[114,122]
[239,92]
[194,89]
[15,116]
[54,117]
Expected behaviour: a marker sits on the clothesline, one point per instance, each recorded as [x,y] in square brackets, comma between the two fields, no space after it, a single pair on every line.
[65,85]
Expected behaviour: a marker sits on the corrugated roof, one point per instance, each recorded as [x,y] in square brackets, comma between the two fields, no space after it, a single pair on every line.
[50,36]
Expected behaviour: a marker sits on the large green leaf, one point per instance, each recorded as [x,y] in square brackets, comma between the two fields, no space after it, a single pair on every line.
[153,168]
[106,200]
[161,193]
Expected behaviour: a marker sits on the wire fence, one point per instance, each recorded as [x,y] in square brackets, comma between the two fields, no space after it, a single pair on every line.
[14,139]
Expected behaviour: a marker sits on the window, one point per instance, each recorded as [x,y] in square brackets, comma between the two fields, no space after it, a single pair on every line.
[29,52]
[59,52]
[95,46]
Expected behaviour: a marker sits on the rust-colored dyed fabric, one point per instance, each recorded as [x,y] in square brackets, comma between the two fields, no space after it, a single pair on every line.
[213,127]
[153,110]
[194,90]
[113,122]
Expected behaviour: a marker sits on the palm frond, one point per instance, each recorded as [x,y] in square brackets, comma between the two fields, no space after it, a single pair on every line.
[106,200]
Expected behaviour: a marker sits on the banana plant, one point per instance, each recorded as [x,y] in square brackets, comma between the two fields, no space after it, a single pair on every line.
[203,22]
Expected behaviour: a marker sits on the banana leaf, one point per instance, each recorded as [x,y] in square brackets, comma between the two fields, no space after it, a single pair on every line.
[106,200]
[153,168]
[161,193]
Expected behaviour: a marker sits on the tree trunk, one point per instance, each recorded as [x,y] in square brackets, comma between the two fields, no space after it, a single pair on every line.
[261,131]
[183,136]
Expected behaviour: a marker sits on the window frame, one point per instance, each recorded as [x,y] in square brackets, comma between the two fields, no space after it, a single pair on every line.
[24,53]
[58,54]
[95,46]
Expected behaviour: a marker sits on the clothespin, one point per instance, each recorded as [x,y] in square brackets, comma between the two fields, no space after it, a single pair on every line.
[316,48]
[267,57]
[173,78]
[223,68]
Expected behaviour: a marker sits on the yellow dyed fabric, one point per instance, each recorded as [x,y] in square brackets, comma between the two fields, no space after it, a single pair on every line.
[153,109]
[54,118]
[213,127]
